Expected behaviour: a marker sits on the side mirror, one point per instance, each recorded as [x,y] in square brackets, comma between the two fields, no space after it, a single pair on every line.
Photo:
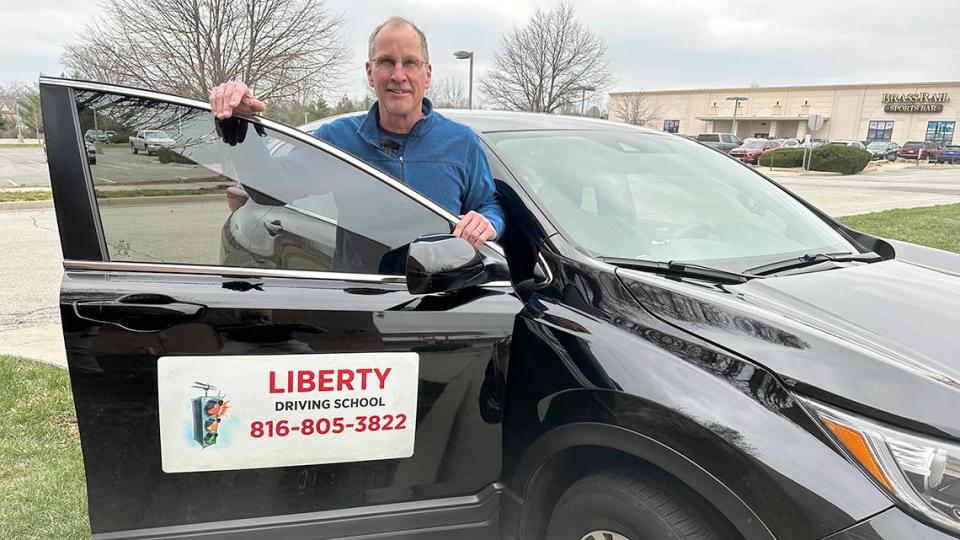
[443,263]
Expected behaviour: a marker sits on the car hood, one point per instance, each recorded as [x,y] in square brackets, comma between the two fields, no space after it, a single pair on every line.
[882,338]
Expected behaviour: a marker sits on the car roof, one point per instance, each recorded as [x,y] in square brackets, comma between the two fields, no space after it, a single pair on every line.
[484,121]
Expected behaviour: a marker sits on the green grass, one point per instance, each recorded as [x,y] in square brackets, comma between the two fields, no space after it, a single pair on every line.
[933,226]
[13,196]
[24,145]
[42,486]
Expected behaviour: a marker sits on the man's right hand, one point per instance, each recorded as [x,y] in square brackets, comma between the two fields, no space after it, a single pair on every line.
[234,97]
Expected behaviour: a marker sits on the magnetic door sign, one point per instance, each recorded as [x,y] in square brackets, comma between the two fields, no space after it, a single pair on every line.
[250,412]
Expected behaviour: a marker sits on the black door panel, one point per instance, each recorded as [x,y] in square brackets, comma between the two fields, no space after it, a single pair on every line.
[114,377]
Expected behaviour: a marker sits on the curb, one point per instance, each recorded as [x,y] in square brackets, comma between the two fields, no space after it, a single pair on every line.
[115,201]
[26,205]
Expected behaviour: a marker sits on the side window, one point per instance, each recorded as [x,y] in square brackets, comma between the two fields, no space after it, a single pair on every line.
[170,190]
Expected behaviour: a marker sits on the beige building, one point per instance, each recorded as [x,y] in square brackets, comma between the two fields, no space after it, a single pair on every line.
[895,112]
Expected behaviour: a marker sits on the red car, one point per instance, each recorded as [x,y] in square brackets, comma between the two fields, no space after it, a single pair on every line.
[751,149]
[911,150]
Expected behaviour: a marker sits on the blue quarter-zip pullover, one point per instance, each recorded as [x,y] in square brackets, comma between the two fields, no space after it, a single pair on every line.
[440,158]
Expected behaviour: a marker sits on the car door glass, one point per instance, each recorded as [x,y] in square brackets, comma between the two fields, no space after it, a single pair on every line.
[170,190]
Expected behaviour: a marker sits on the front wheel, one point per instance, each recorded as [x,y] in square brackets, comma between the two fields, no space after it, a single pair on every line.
[624,506]
[133,148]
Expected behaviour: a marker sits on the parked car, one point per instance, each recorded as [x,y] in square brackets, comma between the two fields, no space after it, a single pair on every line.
[788,143]
[725,142]
[91,152]
[96,135]
[927,150]
[149,141]
[813,143]
[883,150]
[663,343]
[950,154]
[849,142]
[751,149]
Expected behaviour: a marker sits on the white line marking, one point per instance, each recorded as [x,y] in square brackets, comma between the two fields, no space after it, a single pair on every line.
[12,183]
[114,166]
[106,180]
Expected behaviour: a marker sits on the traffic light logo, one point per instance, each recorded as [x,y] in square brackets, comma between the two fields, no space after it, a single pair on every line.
[208,413]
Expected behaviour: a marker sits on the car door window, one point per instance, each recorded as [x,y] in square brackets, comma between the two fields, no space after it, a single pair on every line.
[170,190]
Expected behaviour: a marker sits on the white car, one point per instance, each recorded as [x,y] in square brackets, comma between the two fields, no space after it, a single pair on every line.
[149,141]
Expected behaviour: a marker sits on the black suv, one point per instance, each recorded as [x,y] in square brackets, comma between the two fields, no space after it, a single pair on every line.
[663,344]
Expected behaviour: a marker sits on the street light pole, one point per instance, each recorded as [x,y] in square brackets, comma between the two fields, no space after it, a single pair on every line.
[583,95]
[463,55]
[736,104]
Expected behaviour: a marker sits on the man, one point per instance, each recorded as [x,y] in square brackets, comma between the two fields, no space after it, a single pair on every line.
[402,135]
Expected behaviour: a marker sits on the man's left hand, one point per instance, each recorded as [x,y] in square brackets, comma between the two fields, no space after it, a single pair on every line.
[475,228]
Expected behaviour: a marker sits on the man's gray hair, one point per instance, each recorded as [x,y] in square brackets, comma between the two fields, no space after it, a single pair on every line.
[400,20]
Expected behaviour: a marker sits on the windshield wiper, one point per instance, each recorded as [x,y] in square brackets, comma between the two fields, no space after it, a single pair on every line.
[811,259]
[678,269]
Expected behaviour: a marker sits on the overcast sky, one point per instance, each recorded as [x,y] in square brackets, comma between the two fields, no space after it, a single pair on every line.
[653,44]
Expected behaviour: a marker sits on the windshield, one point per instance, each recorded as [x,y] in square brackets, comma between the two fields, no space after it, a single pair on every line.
[753,144]
[626,193]
[877,145]
[156,134]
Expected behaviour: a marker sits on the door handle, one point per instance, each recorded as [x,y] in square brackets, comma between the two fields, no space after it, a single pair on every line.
[139,313]
[274,228]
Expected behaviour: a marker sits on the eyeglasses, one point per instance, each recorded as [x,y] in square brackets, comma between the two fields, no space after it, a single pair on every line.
[388,63]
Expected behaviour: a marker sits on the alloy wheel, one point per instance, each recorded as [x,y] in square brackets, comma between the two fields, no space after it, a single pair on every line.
[603,535]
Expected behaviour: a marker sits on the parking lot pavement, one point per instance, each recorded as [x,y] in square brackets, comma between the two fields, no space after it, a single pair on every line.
[25,167]
[116,165]
[903,187]
[30,278]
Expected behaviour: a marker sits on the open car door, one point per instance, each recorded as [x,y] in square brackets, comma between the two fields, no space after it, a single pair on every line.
[245,358]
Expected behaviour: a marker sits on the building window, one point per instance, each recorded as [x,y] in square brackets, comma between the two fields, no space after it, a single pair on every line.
[671,126]
[880,130]
[940,132]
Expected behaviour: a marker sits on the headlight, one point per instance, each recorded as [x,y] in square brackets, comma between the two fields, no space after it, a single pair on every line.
[920,472]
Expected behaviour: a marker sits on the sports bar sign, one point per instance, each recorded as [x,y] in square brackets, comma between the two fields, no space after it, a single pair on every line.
[916,102]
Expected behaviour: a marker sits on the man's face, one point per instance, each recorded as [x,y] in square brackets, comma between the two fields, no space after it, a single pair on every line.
[400,84]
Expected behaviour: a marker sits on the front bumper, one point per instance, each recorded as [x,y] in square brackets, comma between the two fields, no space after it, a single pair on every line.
[891,524]
[746,158]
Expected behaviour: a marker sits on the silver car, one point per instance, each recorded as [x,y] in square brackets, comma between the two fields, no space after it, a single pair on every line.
[724,142]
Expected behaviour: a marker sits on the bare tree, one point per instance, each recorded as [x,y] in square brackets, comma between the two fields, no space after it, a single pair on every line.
[284,49]
[635,108]
[23,100]
[552,61]
[448,93]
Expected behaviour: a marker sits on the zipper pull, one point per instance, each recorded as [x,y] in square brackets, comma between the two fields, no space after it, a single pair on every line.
[403,173]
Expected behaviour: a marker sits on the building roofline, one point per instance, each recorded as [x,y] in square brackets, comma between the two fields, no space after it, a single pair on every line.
[788,87]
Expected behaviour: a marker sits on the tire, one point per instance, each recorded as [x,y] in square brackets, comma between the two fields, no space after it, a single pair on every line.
[133,148]
[648,506]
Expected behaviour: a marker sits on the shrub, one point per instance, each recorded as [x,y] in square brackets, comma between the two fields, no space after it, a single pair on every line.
[841,159]
[782,157]
[166,155]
